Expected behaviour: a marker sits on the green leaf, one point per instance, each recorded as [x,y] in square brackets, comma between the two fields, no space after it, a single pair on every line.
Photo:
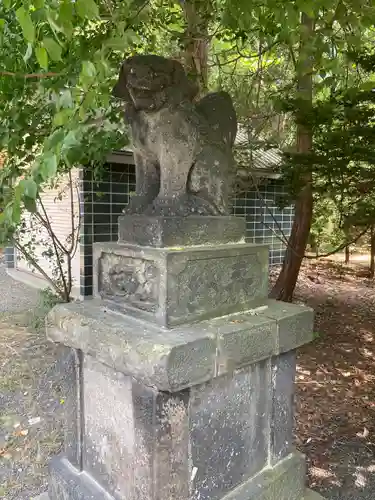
[65,99]
[53,48]
[66,18]
[55,139]
[62,117]
[48,167]
[26,23]
[2,24]
[87,9]
[42,57]
[18,191]
[307,9]
[38,4]
[66,11]
[29,188]
[28,53]
[88,69]
[54,22]
[30,204]
[366,86]
[70,141]
[16,213]
[115,43]
[7,4]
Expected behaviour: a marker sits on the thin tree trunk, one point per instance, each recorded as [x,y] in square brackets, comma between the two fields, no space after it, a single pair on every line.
[347,254]
[196,41]
[347,248]
[286,282]
[372,257]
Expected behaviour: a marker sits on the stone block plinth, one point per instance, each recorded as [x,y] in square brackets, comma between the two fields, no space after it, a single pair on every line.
[162,231]
[171,286]
[195,412]
[180,376]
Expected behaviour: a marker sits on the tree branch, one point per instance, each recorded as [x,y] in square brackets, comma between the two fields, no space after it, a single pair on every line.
[30,259]
[54,243]
[30,75]
[341,247]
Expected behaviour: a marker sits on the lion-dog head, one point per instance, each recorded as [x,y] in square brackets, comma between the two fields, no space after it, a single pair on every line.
[149,82]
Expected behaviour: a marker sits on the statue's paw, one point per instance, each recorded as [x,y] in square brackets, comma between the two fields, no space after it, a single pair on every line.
[138,204]
[201,206]
[169,207]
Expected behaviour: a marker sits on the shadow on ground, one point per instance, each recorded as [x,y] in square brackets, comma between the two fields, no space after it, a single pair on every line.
[335,420]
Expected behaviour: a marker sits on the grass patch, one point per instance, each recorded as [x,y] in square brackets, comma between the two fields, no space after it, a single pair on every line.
[47,300]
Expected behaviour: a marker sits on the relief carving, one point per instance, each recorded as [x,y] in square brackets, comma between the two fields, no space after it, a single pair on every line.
[125,279]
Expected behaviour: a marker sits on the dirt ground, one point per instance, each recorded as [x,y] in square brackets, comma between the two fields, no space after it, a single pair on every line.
[335,420]
[30,414]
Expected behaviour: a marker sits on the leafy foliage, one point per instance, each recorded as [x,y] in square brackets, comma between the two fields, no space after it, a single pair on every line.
[58,64]
[342,160]
[59,60]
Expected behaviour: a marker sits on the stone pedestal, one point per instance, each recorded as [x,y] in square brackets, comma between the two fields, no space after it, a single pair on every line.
[182,374]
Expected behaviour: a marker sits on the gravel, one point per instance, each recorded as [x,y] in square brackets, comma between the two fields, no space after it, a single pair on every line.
[15,296]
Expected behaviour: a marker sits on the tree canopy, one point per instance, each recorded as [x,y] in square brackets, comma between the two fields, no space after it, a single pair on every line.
[291,67]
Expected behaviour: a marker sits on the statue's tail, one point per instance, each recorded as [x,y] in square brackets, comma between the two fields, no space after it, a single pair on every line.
[218,110]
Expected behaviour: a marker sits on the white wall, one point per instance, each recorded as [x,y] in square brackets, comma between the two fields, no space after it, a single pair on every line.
[57,202]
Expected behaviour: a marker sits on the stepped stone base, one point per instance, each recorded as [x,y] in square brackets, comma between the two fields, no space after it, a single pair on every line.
[309,495]
[159,232]
[174,286]
[285,481]
[313,495]
[181,371]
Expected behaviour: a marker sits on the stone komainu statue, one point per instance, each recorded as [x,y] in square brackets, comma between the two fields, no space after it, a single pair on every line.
[182,148]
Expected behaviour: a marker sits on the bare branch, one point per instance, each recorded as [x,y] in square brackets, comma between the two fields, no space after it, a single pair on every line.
[341,247]
[54,243]
[32,261]
[30,75]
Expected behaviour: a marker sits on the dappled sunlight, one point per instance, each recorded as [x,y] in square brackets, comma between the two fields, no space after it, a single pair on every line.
[335,419]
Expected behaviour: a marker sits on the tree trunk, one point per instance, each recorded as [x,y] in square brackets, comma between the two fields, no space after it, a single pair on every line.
[287,280]
[347,238]
[347,254]
[372,257]
[196,41]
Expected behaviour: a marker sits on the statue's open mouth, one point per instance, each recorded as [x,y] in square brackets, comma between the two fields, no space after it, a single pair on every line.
[141,97]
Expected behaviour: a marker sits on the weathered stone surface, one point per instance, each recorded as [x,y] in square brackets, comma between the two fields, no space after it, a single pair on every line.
[143,404]
[312,495]
[180,231]
[177,286]
[244,339]
[113,455]
[131,281]
[70,386]
[167,359]
[66,483]
[285,481]
[283,373]
[295,324]
[309,495]
[167,414]
[136,442]
[172,458]
[229,441]
[43,496]
[182,148]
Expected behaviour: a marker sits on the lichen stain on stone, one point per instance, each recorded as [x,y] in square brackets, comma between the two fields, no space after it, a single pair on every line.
[110,426]
[173,454]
